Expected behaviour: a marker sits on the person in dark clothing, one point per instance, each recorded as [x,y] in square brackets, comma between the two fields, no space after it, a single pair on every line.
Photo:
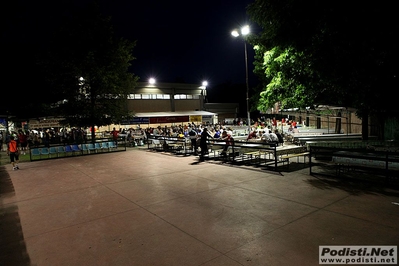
[280,137]
[193,138]
[204,143]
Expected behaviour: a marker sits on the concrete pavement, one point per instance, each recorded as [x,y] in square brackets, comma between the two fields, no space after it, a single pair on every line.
[146,208]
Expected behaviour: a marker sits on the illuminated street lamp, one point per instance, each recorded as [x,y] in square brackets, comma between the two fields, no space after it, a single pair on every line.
[151,81]
[245,31]
[203,92]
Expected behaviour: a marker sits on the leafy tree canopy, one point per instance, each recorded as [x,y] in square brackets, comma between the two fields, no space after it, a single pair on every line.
[312,52]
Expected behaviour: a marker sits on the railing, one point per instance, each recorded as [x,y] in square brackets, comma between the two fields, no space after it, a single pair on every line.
[338,161]
[179,146]
[238,152]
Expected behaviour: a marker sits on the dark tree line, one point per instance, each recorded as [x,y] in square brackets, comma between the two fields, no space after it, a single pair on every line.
[64,60]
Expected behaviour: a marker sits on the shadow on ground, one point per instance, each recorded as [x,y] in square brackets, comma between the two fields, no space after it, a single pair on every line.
[12,244]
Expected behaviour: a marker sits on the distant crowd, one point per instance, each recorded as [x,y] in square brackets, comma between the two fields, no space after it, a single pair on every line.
[260,130]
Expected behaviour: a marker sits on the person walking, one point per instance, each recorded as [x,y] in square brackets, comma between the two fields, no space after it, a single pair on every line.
[12,151]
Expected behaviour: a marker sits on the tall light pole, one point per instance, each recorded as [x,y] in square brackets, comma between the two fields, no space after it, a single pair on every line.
[204,94]
[245,31]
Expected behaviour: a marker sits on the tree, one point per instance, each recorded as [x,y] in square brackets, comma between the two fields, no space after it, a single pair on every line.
[88,71]
[344,55]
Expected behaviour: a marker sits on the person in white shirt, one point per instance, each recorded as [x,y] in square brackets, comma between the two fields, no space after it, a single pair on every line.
[266,137]
[274,137]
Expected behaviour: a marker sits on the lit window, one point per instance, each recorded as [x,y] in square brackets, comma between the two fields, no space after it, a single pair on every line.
[180,96]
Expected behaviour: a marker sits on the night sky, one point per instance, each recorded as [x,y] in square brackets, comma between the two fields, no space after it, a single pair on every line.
[184,41]
[176,41]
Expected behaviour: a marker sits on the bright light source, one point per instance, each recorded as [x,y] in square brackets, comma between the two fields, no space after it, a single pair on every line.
[245,30]
[81,81]
[151,81]
[205,83]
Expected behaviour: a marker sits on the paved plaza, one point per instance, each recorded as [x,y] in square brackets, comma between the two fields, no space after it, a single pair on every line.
[142,207]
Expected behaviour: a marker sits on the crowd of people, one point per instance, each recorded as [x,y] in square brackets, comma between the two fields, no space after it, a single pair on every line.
[193,133]
[36,138]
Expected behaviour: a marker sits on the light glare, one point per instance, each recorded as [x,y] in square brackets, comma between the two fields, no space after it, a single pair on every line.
[245,30]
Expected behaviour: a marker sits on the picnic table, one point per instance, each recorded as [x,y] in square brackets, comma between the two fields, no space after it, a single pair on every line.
[301,140]
[378,163]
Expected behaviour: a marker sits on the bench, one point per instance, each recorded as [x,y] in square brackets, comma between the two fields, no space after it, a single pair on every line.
[255,155]
[287,157]
[157,145]
[232,152]
[366,160]
[354,163]
[75,149]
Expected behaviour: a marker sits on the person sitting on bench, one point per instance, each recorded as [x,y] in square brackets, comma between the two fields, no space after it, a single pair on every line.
[229,141]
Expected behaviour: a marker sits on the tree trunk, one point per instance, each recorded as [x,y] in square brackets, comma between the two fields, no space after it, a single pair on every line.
[338,123]
[365,125]
[93,134]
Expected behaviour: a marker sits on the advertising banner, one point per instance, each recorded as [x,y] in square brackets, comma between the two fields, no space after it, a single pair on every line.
[137,120]
[168,119]
[45,123]
[196,118]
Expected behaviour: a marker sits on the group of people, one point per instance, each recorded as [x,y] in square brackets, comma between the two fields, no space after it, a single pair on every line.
[19,142]
[199,137]
[266,135]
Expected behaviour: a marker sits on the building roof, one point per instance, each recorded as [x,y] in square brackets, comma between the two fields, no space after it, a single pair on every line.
[182,113]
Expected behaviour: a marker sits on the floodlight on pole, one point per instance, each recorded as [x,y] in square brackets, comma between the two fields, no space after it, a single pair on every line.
[204,97]
[151,81]
[245,31]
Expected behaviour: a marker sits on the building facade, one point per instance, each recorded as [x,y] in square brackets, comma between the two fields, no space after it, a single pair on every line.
[168,103]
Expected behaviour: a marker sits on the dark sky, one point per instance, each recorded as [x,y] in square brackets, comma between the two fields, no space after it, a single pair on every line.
[177,41]
[184,41]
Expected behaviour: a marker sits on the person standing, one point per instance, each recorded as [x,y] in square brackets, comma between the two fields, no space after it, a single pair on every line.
[23,141]
[204,143]
[12,151]
[280,137]
[193,138]
[115,134]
